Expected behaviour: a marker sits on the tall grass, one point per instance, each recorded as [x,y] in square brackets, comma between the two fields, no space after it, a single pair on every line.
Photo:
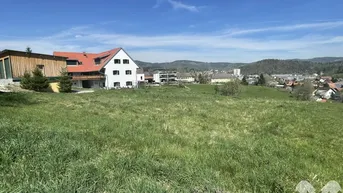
[166,140]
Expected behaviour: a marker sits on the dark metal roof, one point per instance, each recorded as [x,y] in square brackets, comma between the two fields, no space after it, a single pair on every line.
[21,53]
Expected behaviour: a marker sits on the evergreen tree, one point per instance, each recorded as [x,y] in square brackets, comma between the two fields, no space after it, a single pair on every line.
[65,82]
[38,81]
[28,50]
[261,80]
[334,79]
[244,81]
[26,82]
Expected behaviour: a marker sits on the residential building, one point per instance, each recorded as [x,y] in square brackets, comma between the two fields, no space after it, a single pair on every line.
[222,78]
[140,76]
[184,77]
[149,77]
[237,72]
[109,69]
[13,65]
[165,76]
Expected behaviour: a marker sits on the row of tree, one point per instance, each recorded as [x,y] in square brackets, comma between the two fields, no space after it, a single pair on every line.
[40,83]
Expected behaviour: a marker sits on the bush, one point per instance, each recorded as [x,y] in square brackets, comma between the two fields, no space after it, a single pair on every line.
[38,81]
[229,88]
[304,92]
[65,83]
[25,82]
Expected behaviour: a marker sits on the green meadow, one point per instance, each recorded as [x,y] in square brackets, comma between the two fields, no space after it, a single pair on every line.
[167,139]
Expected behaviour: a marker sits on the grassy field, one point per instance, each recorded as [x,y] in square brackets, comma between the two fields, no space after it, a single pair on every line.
[167,139]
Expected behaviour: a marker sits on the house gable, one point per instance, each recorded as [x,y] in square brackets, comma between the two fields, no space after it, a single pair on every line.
[120,55]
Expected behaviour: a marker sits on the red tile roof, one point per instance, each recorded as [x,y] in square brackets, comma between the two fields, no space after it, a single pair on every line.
[87,60]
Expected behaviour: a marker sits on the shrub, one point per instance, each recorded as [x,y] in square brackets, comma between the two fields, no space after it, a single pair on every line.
[38,81]
[26,82]
[65,83]
[229,88]
[303,92]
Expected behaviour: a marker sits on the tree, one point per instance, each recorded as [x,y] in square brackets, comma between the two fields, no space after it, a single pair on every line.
[65,82]
[203,78]
[26,82]
[261,80]
[229,89]
[334,79]
[304,92]
[244,81]
[28,51]
[38,81]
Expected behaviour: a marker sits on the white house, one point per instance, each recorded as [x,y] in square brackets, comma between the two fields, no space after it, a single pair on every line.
[109,69]
[185,77]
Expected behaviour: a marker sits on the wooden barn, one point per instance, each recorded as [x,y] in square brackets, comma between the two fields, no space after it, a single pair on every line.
[13,64]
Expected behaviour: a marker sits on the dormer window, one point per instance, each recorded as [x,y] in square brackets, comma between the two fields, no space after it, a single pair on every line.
[72,62]
[117,61]
[97,61]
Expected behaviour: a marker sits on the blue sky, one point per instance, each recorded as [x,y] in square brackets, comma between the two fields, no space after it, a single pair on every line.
[167,30]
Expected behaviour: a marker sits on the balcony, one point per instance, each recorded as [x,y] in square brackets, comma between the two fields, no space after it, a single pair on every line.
[88,77]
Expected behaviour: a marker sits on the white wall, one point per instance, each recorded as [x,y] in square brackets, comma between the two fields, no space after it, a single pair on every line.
[156,77]
[6,81]
[122,77]
[186,79]
[237,72]
[140,77]
[77,83]
[221,80]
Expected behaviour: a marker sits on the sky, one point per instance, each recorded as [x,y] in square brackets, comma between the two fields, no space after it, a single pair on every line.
[168,30]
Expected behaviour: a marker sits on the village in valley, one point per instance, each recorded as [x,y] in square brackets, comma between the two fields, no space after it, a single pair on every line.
[115,69]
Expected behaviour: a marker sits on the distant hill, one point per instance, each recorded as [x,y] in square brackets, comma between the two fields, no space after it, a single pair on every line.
[188,64]
[269,66]
[326,59]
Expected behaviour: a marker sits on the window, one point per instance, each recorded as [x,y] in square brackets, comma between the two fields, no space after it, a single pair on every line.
[128,72]
[97,61]
[141,77]
[8,68]
[128,83]
[116,84]
[115,72]
[40,66]
[71,62]
[126,61]
[117,61]
[2,70]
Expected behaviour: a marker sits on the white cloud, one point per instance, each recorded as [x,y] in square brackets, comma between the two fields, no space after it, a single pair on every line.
[322,25]
[180,5]
[204,47]
[177,5]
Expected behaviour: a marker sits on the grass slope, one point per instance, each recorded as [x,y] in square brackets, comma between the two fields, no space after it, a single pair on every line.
[167,139]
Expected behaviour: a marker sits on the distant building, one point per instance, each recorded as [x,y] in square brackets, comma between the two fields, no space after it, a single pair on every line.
[222,78]
[184,77]
[165,76]
[140,75]
[237,72]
